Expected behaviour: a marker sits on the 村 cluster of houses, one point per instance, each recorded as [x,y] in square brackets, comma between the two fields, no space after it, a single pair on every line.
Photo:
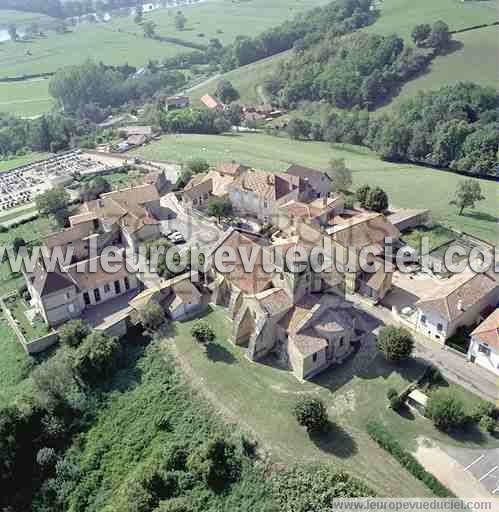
[305,318]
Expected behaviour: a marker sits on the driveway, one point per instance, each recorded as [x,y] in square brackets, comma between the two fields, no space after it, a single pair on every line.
[197,231]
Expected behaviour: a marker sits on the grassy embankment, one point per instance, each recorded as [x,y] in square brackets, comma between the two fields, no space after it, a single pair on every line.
[261,396]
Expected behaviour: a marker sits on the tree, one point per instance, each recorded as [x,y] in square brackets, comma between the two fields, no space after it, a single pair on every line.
[440,35]
[299,128]
[310,412]
[152,317]
[73,333]
[420,33]
[93,189]
[395,343]
[362,194]
[12,30]
[340,174]
[96,357]
[226,92]
[197,165]
[468,192]
[220,207]
[52,201]
[180,20]
[215,462]
[149,29]
[202,332]
[17,243]
[445,410]
[377,200]
[234,114]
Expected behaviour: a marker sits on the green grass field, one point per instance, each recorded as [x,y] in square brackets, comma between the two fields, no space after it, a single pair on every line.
[400,16]
[409,186]
[27,98]
[227,19]
[260,397]
[474,60]
[15,366]
[11,163]
[247,80]
[21,18]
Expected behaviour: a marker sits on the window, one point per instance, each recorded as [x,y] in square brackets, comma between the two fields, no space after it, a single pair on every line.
[127,283]
[71,308]
[423,319]
[107,288]
[67,296]
[97,294]
[194,201]
[484,350]
[314,358]
[440,327]
[265,204]
[342,341]
[117,287]
[86,298]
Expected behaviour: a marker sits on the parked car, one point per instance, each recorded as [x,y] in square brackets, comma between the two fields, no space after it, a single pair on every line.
[177,238]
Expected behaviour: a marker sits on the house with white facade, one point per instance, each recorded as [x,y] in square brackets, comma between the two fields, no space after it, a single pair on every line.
[484,345]
[455,304]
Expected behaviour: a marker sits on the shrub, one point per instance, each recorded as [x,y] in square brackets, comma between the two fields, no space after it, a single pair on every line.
[96,357]
[396,343]
[445,410]
[488,424]
[362,194]
[46,458]
[310,412]
[215,462]
[72,333]
[396,401]
[377,200]
[202,332]
[197,165]
[151,317]
[385,439]
[483,409]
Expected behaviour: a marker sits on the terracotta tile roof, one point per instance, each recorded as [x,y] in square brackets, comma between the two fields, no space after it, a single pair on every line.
[249,283]
[300,314]
[308,343]
[86,280]
[66,236]
[366,229]
[274,301]
[211,102]
[450,304]
[232,169]
[488,331]
[211,183]
[267,185]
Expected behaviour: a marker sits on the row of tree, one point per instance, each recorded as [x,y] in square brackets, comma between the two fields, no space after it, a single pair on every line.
[453,127]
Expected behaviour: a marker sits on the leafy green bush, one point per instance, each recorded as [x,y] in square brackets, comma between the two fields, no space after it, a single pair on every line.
[310,412]
[488,424]
[396,343]
[202,332]
[385,439]
[446,411]
[306,489]
[483,409]
[72,333]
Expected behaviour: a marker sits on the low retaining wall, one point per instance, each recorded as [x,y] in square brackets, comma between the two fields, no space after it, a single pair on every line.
[43,343]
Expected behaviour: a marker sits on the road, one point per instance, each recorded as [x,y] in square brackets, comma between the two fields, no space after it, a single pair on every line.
[453,366]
